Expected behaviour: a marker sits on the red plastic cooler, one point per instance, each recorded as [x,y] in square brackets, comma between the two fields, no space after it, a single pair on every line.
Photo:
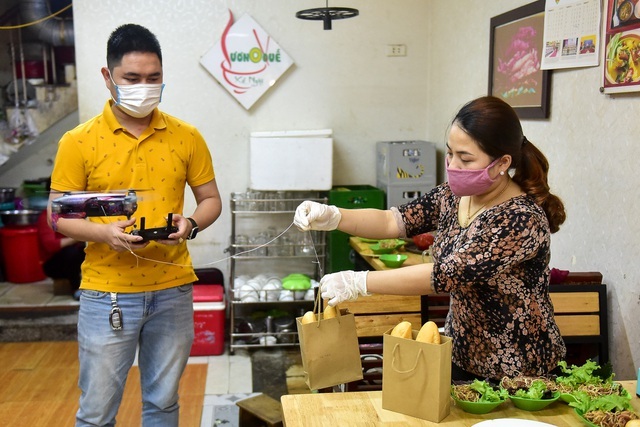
[208,320]
[21,254]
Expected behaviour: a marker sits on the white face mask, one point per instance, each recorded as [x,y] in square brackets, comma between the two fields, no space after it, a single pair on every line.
[138,100]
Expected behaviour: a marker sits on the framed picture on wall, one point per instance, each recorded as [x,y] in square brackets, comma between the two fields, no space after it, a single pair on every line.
[622,40]
[515,53]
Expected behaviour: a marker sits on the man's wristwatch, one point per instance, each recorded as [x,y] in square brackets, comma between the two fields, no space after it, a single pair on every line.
[194,229]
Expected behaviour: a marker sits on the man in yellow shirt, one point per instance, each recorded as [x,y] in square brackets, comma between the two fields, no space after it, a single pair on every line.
[135,294]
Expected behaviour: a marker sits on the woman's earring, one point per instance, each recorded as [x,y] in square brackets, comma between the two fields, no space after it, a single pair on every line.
[501,172]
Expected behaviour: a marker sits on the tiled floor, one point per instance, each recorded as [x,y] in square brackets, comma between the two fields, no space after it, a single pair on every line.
[36,294]
[229,377]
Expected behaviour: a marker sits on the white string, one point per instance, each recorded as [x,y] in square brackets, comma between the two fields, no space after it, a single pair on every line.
[231,256]
[317,261]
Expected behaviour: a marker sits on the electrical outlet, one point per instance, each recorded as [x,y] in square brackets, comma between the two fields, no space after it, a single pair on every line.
[396,50]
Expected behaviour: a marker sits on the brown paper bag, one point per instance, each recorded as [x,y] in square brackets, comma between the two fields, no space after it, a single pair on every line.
[416,377]
[329,350]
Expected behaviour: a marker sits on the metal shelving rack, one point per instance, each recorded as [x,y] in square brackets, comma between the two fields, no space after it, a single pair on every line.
[266,245]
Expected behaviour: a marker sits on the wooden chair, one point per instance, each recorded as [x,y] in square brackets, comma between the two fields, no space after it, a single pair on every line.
[580,307]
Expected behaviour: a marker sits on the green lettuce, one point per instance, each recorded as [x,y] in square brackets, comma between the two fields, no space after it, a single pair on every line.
[607,403]
[487,392]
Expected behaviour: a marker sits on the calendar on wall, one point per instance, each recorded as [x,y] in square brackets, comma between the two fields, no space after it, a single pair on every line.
[571,34]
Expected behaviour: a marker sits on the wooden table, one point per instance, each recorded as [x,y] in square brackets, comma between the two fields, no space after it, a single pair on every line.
[365,409]
[376,314]
[363,249]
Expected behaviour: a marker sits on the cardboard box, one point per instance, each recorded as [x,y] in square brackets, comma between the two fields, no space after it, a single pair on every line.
[291,160]
[208,320]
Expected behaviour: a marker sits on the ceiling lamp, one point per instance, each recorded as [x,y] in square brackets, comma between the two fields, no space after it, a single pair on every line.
[327,14]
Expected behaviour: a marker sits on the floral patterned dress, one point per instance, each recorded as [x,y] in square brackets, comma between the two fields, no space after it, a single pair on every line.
[496,271]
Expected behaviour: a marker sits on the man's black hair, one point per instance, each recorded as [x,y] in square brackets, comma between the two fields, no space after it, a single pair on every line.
[129,38]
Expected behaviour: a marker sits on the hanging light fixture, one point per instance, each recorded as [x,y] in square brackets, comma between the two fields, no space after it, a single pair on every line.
[327,14]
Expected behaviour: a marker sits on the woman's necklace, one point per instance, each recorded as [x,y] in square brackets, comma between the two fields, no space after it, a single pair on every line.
[469,215]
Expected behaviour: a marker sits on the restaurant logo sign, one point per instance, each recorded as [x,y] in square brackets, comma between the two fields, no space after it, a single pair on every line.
[246,61]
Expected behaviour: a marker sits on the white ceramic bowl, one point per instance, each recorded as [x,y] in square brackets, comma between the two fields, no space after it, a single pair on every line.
[256,285]
[275,281]
[270,292]
[285,296]
[249,298]
[239,281]
[247,291]
[261,279]
[309,295]
[268,340]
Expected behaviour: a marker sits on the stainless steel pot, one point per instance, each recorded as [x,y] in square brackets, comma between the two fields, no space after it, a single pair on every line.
[7,194]
[285,329]
[19,217]
[254,327]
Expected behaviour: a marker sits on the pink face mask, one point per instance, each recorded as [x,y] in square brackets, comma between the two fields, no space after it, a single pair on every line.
[470,182]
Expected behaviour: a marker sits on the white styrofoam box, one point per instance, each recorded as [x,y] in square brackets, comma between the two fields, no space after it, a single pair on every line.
[291,160]
[406,162]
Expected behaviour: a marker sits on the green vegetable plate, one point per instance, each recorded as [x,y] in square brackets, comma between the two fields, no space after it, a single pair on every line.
[380,248]
[393,260]
[476,407]
[366,240]
[567,397]
[583,419]
[529,404]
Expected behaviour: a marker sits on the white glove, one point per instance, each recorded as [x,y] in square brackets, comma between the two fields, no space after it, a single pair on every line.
[316,216]
[343,286]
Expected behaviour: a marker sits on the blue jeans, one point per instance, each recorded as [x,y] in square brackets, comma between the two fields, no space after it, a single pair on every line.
[160,324]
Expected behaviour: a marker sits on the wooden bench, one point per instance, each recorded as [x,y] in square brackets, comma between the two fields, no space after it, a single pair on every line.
[376,314]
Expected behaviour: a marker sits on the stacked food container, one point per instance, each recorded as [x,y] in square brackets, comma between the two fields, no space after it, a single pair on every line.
[405,169]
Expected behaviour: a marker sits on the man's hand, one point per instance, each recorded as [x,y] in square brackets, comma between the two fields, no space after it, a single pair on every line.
[119,240]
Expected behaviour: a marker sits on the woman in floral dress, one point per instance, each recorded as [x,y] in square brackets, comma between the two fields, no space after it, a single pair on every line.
[492,222]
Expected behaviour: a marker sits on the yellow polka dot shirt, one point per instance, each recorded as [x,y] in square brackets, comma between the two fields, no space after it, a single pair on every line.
[100,155]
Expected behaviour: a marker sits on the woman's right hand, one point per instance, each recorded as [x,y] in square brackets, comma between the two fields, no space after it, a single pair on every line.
[343,286]
[316,216]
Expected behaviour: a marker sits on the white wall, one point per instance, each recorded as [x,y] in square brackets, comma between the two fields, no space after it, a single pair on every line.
[343,80]
[590,140]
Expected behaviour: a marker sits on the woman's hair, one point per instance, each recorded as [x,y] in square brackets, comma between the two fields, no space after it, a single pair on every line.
[130,38]
[495,126]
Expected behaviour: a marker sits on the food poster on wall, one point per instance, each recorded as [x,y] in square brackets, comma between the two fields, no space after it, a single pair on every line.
[571,33]
[246,61]
[622,47]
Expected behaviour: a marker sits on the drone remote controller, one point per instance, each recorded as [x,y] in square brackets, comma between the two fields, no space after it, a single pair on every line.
[160,233]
